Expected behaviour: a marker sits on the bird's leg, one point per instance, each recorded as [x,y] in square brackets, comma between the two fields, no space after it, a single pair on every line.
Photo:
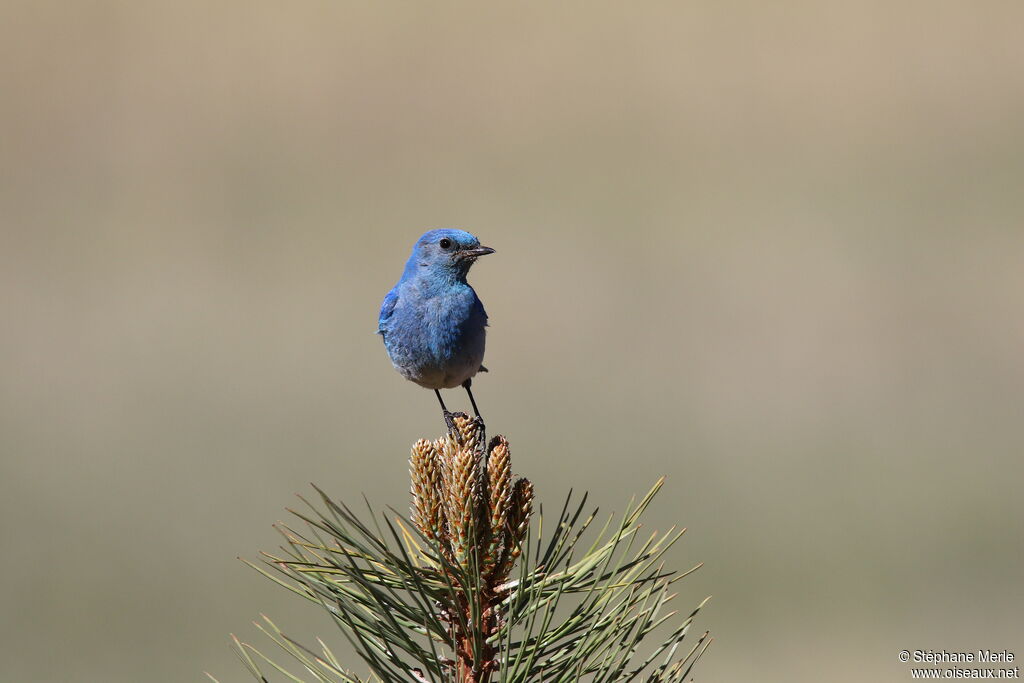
[449,421]
[476,411]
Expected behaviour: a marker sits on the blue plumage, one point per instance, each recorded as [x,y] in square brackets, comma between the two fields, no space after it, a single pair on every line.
[432,321]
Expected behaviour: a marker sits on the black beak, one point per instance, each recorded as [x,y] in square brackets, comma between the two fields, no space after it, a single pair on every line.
[479,251]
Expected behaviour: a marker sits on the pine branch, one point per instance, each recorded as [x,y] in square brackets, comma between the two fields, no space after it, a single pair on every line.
[470,589]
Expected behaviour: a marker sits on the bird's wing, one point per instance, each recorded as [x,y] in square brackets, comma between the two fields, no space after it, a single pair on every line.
[386,309]
[478,307]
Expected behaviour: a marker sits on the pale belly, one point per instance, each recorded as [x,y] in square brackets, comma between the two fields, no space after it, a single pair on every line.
[447,377]
[420,359]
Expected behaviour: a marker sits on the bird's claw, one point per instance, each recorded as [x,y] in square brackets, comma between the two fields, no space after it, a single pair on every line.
[449,420]
[482,431]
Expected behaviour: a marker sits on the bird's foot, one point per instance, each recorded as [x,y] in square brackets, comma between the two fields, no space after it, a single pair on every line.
[482,432]
[477,422]
[449,421]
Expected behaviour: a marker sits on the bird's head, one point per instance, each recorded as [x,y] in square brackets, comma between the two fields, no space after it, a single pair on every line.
[447,252]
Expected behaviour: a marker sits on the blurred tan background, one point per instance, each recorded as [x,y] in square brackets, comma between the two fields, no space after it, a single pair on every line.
[774,252]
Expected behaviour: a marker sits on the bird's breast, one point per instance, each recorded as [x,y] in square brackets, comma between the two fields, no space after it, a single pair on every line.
[437,341]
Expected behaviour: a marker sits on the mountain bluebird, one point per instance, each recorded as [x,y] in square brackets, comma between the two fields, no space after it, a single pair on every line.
[432,321]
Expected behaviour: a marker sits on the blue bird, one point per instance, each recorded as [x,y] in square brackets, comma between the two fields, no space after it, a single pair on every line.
[432,321]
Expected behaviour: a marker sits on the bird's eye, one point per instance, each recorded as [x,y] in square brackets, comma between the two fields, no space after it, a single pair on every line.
[445,243]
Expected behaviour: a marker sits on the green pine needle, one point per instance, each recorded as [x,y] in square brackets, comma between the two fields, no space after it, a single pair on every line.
[572,611]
